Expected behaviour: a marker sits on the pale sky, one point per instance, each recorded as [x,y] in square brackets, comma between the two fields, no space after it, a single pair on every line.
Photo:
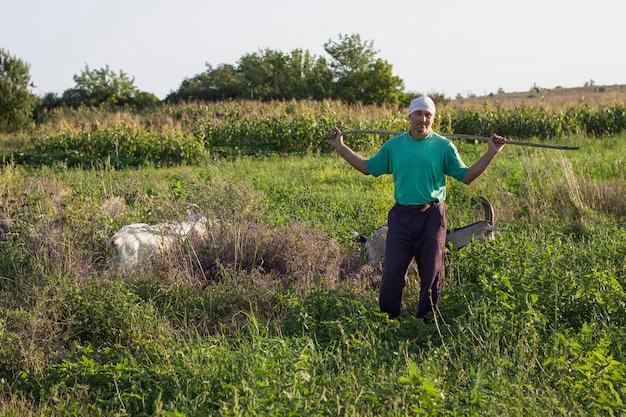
[446,46]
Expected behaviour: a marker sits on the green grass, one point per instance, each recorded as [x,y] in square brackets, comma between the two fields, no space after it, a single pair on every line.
[275,316]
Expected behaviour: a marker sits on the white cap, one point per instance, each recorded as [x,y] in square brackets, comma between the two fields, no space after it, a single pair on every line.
[422,103]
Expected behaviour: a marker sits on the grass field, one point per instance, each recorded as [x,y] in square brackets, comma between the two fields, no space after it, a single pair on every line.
[276,314]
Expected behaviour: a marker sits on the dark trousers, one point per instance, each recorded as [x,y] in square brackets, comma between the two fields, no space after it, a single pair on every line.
[413,234]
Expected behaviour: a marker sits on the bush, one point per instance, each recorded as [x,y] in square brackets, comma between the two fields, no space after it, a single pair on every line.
[295,255]
[110,314]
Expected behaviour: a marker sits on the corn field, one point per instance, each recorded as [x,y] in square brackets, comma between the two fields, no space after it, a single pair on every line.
[180,135]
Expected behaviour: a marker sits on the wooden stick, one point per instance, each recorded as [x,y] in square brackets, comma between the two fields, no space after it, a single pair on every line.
[460,136]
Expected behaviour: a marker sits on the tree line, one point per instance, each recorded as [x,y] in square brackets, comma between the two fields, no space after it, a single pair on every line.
[353,74]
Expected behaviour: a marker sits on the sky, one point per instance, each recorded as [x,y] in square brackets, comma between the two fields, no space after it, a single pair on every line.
[453,47]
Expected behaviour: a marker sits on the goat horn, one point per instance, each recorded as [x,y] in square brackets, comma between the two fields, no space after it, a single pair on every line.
[460,136]
[488,208]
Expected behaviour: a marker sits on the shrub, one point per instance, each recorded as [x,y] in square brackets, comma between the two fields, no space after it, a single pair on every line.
[109,314]
[296,255]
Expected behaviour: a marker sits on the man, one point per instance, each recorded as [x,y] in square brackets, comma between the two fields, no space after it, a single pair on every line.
[419,160]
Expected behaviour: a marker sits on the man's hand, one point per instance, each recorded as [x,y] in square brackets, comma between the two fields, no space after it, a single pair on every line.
[335,138]
[496,143]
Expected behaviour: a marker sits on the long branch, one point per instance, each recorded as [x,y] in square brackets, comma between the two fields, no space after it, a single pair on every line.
[462,136]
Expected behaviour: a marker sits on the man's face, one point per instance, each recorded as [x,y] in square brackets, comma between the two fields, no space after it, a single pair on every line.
[421,123]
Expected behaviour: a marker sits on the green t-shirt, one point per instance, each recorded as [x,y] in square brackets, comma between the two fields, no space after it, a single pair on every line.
[419,167]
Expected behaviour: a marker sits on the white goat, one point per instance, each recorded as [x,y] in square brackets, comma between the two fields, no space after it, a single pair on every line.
[138,242]
[455,238]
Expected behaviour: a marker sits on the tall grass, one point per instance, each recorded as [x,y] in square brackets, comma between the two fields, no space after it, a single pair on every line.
[275,314]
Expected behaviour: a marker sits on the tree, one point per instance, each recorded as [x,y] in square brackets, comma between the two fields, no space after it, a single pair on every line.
[224,82]
[144,100]
[358,75]
[264,75]
[104,87]
[350,55]
[310,75]
[219,83]
[318,80]
[380,85]
[17,103]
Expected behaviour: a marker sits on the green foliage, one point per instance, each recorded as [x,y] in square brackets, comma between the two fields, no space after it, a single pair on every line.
[354,75]
[107,315]
[536,122]
[240,128]
[214,84]
[303,133]
[117,146]
[112,379]
[271,75]
[286,133]
[13,255]
[17,103]
[358,76]
[275,313]
[590,369]
[104,87]
[426,398]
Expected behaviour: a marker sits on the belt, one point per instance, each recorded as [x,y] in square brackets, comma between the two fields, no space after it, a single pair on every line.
[419,207]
